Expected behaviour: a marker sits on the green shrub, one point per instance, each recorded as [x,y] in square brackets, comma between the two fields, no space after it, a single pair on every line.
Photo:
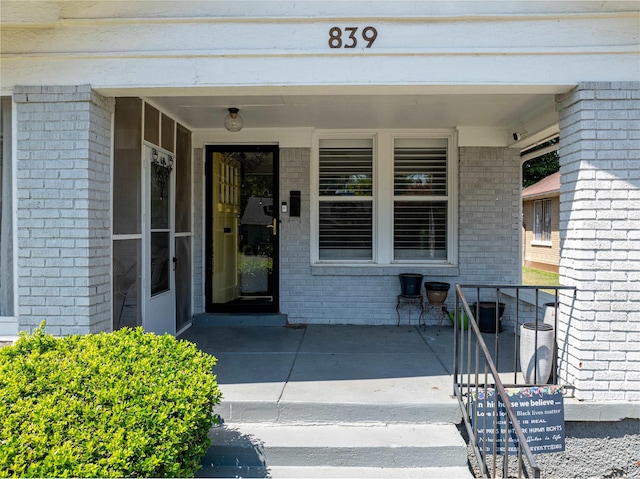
[122,404]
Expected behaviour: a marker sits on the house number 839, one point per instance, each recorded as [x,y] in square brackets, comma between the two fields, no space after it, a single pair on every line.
[350,34]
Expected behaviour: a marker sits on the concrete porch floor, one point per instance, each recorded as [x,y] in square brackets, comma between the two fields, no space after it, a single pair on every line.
[347,373]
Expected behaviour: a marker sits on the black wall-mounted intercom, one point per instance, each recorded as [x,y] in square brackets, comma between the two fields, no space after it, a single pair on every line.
[294,203]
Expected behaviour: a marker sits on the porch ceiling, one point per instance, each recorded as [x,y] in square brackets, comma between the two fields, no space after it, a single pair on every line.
[379,111]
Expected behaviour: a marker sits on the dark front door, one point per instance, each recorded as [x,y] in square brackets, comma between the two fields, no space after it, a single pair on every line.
[242,224]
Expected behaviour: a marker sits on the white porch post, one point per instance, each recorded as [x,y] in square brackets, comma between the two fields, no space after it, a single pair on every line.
[63,208]
[600,238]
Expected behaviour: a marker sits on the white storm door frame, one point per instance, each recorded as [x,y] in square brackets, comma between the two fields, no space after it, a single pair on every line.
[159,309]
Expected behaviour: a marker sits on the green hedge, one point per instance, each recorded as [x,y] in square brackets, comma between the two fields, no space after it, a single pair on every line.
[122,404]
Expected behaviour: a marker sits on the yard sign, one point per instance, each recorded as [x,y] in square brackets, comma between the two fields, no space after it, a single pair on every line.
[540,411]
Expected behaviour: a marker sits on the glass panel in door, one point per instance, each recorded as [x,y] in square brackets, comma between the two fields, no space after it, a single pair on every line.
[242,229]
[160,232]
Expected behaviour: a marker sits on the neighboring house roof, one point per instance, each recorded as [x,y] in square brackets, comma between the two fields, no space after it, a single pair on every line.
[548,186]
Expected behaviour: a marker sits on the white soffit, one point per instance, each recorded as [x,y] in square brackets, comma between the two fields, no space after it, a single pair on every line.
[482,136]
[491,111]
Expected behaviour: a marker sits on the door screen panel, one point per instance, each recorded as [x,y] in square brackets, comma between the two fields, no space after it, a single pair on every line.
[126,284]
[183,281]
[183,267]
[183,180]
[127,214]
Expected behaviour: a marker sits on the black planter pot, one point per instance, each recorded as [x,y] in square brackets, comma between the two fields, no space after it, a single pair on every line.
[487,316]
[410,284]
[436,286]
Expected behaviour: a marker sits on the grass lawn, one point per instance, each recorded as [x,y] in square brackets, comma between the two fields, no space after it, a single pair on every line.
[539,277]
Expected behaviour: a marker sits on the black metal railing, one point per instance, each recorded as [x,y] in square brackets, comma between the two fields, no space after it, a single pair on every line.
[476,371]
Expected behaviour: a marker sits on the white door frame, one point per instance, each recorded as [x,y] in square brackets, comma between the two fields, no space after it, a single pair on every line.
[158,311]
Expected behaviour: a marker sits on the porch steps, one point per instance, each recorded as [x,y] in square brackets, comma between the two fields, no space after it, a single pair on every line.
[349,450]
[333,402]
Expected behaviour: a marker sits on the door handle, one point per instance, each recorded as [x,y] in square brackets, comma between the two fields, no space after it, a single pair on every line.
[274,227]
[175,263]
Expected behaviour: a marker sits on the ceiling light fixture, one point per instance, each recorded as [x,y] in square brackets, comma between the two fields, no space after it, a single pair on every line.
[233,121]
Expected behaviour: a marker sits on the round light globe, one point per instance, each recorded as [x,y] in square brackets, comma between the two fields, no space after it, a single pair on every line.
[233,121]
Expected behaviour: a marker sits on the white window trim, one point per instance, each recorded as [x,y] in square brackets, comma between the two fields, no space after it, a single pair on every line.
[541,243]
[383,142]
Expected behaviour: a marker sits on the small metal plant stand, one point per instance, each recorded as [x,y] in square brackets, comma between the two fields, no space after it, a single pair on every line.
[436,299]
[435,308]
[408,303]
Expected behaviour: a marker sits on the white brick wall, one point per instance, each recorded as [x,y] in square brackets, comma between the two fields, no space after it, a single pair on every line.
[63,190]
[600,238]
[489,215]
[489,245]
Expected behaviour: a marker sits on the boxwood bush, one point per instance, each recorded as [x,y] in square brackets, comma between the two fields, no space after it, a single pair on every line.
[122,404]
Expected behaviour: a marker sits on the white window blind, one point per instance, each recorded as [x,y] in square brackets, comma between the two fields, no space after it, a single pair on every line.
[346,200]
[420,167]
[420,230]
[420,177]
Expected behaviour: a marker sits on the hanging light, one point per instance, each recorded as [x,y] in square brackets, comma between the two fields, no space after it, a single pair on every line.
[233,121]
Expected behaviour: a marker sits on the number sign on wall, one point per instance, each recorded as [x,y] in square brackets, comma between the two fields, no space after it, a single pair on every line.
[351,37]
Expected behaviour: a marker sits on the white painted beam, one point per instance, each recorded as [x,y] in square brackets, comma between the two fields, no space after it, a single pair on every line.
[110,10]
[29,13]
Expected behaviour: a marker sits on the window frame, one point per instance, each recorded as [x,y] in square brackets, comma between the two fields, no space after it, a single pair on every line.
[383,196]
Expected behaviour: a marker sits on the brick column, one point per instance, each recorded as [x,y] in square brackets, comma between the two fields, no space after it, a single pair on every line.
[489,215]
[600,239]
[63,209]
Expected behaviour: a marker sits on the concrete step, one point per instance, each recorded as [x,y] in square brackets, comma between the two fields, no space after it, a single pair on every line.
[442,411]
[260,445]
[325,472]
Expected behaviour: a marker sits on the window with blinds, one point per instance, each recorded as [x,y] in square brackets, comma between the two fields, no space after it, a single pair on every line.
[542,220]
[419,179]
[385,197]
[345,223]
